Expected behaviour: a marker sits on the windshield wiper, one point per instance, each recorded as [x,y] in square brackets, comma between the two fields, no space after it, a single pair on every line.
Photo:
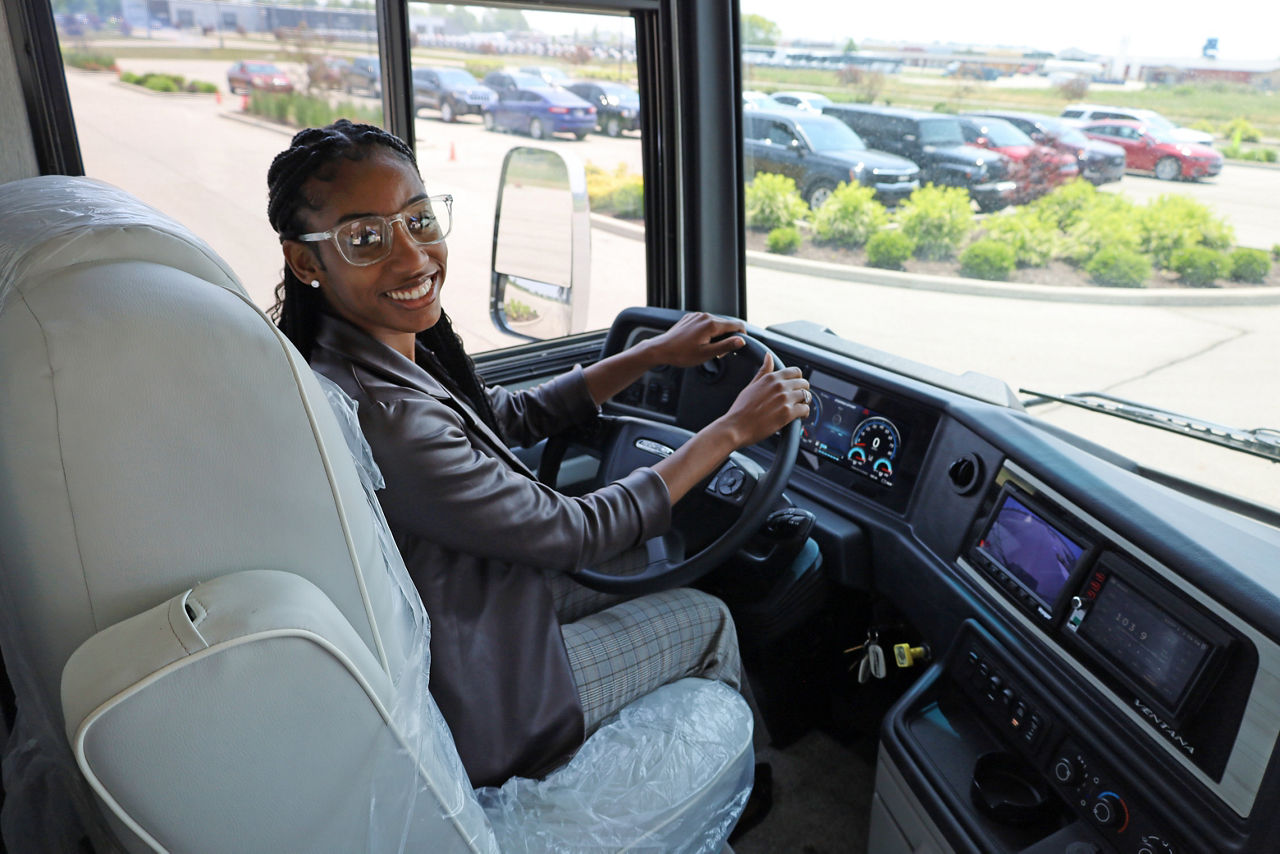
[1260,441]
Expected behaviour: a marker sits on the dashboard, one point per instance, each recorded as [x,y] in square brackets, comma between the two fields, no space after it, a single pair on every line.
[1116,634]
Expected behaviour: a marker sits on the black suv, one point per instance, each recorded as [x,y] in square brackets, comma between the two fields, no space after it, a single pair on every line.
[452,91]
[820,153]
[617,106]
[365,75]
[935,142]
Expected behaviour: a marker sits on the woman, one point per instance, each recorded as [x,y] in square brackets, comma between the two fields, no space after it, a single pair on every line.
[491,550]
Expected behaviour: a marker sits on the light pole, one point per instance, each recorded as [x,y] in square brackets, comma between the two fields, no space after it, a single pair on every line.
[217,10]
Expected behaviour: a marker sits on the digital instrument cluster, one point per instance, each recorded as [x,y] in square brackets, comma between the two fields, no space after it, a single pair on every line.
[848,434]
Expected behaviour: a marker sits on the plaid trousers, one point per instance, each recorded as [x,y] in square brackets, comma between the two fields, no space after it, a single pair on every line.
[620,649]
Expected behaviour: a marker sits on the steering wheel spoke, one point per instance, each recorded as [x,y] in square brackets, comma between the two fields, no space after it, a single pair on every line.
[740,488]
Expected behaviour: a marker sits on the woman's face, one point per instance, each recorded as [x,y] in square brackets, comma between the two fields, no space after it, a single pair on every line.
[398,296]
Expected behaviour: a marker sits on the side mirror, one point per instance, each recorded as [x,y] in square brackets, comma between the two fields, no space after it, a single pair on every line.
[796,146]
[541,245]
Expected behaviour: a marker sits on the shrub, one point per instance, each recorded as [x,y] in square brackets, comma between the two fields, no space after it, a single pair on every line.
[1240,129]
[89,61]
[1275,251]
[1204,125]
[1065,206]
[628,198]
[849,216]
[1199,265]
[1029,232]
[889,249]
[619,192]
[480,67]
[1108,221]
[129,77]
[772,201]
[1073,89]
[160,83]
[1171,222]
[202,86]
[784,240]
[1118,267]
[1249,265]
[937,220]
[987,259]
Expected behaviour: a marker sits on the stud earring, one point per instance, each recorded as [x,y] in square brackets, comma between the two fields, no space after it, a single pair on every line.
[315,283]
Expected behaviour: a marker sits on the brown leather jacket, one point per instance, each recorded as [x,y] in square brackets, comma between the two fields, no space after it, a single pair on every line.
[479,534]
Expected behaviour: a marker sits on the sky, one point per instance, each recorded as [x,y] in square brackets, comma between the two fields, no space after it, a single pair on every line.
[1245,29]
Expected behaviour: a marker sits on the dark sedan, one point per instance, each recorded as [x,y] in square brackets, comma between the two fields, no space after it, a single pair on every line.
[820,153]
[452,91]
[540,112]
[1100,162]
[617,106]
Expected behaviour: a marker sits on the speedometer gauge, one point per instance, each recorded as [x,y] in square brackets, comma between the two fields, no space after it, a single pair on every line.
[874,445]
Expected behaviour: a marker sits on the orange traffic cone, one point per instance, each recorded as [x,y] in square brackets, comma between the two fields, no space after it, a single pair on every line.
[218,97]
[453,153]
[244,103]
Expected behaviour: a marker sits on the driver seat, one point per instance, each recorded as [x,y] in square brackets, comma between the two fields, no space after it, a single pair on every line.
[213,640]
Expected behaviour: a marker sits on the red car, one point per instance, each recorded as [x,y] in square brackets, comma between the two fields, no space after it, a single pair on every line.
[1036,168]
[1149,149]
[261,76]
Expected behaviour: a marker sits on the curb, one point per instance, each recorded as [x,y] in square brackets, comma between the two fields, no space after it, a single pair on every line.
[958,285]
[237,116]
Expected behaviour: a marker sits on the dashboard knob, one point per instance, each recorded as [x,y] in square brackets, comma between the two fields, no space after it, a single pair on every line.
[1064,770]
[1106,809]
[964,474]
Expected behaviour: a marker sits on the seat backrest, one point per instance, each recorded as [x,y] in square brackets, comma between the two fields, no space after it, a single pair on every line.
[157,431]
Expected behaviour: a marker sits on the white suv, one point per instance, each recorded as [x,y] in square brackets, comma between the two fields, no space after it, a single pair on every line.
[1096,112]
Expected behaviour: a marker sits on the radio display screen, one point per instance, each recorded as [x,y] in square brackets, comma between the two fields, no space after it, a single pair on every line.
[1029,548]
[1146,642]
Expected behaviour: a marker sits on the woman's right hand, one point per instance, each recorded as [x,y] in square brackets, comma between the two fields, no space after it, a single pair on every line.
[769,402]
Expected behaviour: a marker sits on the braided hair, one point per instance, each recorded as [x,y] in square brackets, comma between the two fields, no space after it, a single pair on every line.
[315,153]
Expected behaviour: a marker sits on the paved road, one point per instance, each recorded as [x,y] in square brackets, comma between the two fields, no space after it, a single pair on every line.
[184,156]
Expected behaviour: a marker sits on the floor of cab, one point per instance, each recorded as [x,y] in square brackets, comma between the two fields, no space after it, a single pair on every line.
[821,797]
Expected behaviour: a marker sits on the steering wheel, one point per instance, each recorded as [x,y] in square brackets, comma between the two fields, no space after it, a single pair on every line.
[626,443]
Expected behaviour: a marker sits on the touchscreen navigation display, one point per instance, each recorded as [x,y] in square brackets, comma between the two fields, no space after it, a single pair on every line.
[1033,551]
[852,436]
[1148,643]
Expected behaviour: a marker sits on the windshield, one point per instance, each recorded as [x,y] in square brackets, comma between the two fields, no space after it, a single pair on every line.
[1002,134]
[941,132]
[830,135]
[1066,133]
[1158,312]
[456,77]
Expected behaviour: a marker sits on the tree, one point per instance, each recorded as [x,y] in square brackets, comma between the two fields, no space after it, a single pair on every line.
[850,46]
[757,29]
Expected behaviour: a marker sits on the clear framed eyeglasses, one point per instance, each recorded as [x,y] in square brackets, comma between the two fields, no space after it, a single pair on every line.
[369,239]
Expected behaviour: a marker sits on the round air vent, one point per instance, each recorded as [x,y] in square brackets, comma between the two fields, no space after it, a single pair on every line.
[965,474]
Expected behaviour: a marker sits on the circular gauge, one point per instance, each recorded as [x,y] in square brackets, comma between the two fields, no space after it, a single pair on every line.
[810,425]
[876,441]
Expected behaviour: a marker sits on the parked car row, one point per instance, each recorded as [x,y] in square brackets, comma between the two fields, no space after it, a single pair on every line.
[999,158]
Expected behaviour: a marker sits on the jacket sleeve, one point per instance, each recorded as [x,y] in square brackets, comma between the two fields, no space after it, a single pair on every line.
[443,488]
[530,415]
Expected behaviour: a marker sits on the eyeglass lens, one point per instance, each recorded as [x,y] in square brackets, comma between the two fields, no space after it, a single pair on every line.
[364,241]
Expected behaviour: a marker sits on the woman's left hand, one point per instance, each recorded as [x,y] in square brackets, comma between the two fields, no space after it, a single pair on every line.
[689,342]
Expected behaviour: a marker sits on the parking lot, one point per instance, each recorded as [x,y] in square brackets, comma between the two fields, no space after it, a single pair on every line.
[184,155]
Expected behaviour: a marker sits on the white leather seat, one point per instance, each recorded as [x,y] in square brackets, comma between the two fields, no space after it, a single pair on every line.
[213,641]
